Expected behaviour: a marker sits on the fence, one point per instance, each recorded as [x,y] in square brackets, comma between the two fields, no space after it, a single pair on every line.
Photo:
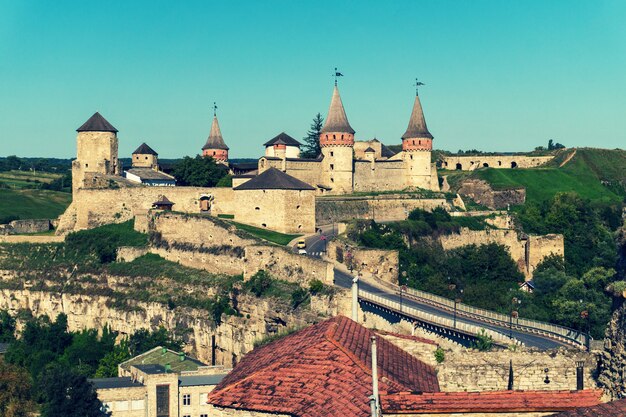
[434,319]
[554,331]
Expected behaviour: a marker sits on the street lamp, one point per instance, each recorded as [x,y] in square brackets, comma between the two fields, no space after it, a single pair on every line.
[457,299]
[585,316]
[402,288]
[514,314]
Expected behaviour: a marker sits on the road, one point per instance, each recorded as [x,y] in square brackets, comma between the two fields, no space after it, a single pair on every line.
[316,245]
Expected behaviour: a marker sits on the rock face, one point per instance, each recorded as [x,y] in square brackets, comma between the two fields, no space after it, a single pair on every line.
[25,226]
[221,345]
[612,367]
[481,192]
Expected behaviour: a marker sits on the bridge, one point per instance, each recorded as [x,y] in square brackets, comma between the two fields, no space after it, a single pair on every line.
[458,321]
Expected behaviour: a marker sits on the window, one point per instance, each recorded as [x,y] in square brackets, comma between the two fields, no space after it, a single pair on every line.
[257,208]
[334,137]
[186,415]
[163,401]
[86,165]
[332,153]
[186,399]
[332,166]
[204,415]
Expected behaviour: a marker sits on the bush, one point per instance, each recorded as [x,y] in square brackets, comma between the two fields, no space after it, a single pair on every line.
[259,283]
[299,296]
[440,355]
[484,342]
[316,286]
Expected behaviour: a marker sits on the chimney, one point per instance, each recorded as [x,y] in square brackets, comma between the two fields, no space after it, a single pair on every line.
[355,299]
[376,406]
[168,368]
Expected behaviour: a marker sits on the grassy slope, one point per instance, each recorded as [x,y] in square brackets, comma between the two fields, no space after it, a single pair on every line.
[276,237]
[33,204]
[582,174]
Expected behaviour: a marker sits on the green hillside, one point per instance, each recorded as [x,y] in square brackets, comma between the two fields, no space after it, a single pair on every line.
[596,174]
[32,204]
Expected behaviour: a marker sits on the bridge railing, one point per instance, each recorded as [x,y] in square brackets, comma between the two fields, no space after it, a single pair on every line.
[569,335]
[434,319]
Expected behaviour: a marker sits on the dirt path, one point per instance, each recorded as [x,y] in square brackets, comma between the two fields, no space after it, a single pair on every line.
[569,157]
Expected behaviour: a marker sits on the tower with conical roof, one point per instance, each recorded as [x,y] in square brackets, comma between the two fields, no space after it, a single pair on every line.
[96,150]
[337,143]
[417,145]
[215,147]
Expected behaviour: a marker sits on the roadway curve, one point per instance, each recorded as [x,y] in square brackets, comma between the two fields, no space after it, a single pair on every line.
[316,244]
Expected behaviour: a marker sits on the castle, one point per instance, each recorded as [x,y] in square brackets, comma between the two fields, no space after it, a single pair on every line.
[346,166]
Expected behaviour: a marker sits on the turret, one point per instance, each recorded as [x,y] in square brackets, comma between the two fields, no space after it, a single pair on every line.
[282,146]
[337,141]
[96,150]
[145,157]
[417,144]
[215,146]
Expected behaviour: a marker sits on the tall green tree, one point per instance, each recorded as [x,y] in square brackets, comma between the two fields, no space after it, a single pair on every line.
[201,171]
[15,389]
[66,393]
[311,148]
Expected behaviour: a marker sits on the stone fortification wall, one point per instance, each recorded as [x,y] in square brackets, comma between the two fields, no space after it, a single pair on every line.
[470,163]
[285,211]
[282,263]
[31,239]
[613,357]
[379,262]
[481,192]
[25,226]
[379,175]
[195,230]
[471,370]
[527,253]
[540,247]
[96,207]
[380,208]
[233,338]
[309,171]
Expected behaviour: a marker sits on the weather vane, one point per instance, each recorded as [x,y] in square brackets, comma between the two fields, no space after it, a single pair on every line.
[417,85]
[214,109]
[337,74]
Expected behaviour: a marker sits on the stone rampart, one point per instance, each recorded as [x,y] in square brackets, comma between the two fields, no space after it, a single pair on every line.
[527,252]
[481,192]
[31,239]
[380,208]
[471,370]
[96,207]
[472,162]
[25,226]
[379,262]
[196,230]
[282,263]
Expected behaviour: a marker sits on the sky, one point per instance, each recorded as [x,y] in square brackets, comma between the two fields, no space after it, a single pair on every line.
[499,75]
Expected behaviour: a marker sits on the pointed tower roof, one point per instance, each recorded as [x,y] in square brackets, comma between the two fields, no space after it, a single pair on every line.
[337,121]
[97,123]
[144,149]
[215,140]
[417,124]
[274,179]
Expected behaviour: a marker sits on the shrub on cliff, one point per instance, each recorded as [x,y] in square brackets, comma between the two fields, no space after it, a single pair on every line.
[259,283]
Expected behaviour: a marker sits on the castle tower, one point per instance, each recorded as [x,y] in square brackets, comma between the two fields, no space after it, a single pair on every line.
[215,146]
[337,142]
[417,144]
[145,157]
[96,150]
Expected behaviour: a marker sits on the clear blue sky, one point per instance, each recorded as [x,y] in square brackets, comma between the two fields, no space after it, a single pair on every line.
[500,75]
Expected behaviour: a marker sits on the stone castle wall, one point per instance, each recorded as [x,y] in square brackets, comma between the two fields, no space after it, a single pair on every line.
[470,163]
[25,226]
[481,192]
[285,211]
[471,370]
[526,253]
[96,207]
[282,263]
[391,207]
[379,175]
[379,262]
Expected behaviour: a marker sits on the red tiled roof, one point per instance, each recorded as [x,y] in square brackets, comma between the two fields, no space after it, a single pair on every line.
[321,371]
[612,409]
[487,401]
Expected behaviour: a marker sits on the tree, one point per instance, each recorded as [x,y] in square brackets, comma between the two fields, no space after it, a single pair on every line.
[66,393]
[201,171]
[312,139]
[107,367]
[143,340]
[15,400]
[7,327]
